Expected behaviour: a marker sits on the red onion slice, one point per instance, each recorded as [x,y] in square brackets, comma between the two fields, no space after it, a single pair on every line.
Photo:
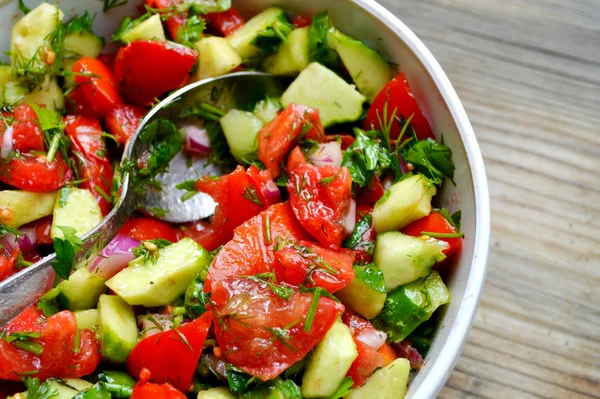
[197,140]
[372,338]
[114,257]
[7,143]
[271,192]
[27,242]
[328,154]
[350,220]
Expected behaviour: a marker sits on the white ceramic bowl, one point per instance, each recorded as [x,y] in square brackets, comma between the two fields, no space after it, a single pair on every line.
[370,22]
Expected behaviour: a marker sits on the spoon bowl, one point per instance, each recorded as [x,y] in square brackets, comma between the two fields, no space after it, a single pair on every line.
[239,90]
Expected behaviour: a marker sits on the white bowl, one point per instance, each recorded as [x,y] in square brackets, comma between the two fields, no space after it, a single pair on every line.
[370,22]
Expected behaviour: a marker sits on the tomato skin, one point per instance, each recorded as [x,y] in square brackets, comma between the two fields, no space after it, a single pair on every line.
[162,3]
[122,121]
[98,180]
[309,264]
[248,342]
[295,158]
[345,140]
[8,261]
[146,228]
[203,233]
[57,359]
[33,173]
[250,252]
[278,137]
[240,196]
[171,65]
[78,104]
[31,319]
[226,22]
[175,23]
[397,95]
[108,59]
[435,222]
[26,131]
[97,84]
[301,21]
[370,195]
[155,353]
[148,390]
[321,205]
[43,227]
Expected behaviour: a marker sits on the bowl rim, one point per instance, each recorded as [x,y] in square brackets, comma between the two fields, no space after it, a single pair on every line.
[447,358]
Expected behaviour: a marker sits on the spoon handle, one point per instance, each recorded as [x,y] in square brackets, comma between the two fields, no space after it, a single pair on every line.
[24,289]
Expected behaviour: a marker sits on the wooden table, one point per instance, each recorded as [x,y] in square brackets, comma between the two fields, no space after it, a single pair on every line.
[528,73]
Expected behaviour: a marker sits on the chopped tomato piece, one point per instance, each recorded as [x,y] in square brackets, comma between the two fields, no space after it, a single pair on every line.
[263,334]
[296,158]
[86,137]
[250,251]
[175,23]
[281,135]
[43,227]
[148,228]
[162,3]
[226,22]
[435,222]
[30,320]
[26,132]
[147,390]
[345,140]
[97,84]
[34,173]
[203,233]
[396,95]
[108,59]
[145,70]
[240,195]
[61,357]
[155,353]
[78,104]
[8,262]
[320,197]
[98,179]
[301,21]
[370,195]
[123,120]
[305,263]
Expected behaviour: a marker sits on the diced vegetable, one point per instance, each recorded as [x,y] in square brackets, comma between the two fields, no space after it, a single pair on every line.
[47,93]
[216,57]
[329,363]
[118,328]
[87,319]
[241,131]
[243,39]
[21,207]
[217,393]
[292,56]
[321,50]
[266,110]
[411,305]
[81,291]
[76,208]
[149,29]
[389,382]
[320,88]
[404,202]
[366,293]
[83,44]
[403,259]
[163,276]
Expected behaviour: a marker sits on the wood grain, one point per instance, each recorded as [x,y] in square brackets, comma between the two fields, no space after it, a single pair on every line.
[528,72]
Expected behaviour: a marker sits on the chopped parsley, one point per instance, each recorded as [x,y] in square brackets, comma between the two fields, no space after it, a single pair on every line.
[147,251]
[110,4]
[66,248]
[356,241]
[24,9]
[192,31]
[38,390]
[432,159]
[344,389]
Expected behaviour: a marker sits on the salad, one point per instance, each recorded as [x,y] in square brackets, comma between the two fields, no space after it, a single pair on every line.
[321,268]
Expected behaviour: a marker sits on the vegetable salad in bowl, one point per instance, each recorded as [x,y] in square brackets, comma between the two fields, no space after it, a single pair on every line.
[321,270]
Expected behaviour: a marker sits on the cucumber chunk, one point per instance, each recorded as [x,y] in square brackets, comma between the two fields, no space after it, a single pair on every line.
[14,91]
[6,75]
[241,131]
[291,57]
[403,258]
[64,388]
[118,328]
[329,362]
[319,87]
[266,110]
[411,305]
[32,35]
[320,47]
[216,393]
[369,71]
[80,211]
[242,40]
[216,57]
[160,283]
[403,203]
[25,206]
[150,29]
[81,291]
[366,293]
[389,382]
[48,93]
[87,319]
[83,44]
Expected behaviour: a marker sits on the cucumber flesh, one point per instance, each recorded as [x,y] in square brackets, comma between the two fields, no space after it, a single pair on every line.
[404,259]
[319,87]
[216,393]
[329,362]
[320,47]
[14,91]
[361,295]
[118,328]
[150,29]
[389,382]
[369,71]
[292,56]
[81,291]
[216,57]
[160,283]
[6,76]
[403,203]
[81,211]
[241,131]
[87,319]
[49,94]
[83,44]
[242,39]
[266,110]
[25,206]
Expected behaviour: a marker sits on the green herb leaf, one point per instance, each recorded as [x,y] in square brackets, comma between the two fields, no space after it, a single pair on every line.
[191,32]
[63,196]
[282,291]
[65,249]
[456,217]
[118,383]
[37,390]
[96,391]
[24,9]
[344,389]
[22,336]
[319,50]
[195,299]
[238,380]
[372,276]
[268,40]
[47,303]
[251,195]
[127,24]
[313,308]
[80,24]
[432,159]
[190,187]
[5,230]
[356,240]
[110,4]
[147,251]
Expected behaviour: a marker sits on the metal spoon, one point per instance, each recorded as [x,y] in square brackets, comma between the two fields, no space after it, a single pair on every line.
[238,90]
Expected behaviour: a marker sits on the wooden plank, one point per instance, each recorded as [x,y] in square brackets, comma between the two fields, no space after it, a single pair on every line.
[528,73]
